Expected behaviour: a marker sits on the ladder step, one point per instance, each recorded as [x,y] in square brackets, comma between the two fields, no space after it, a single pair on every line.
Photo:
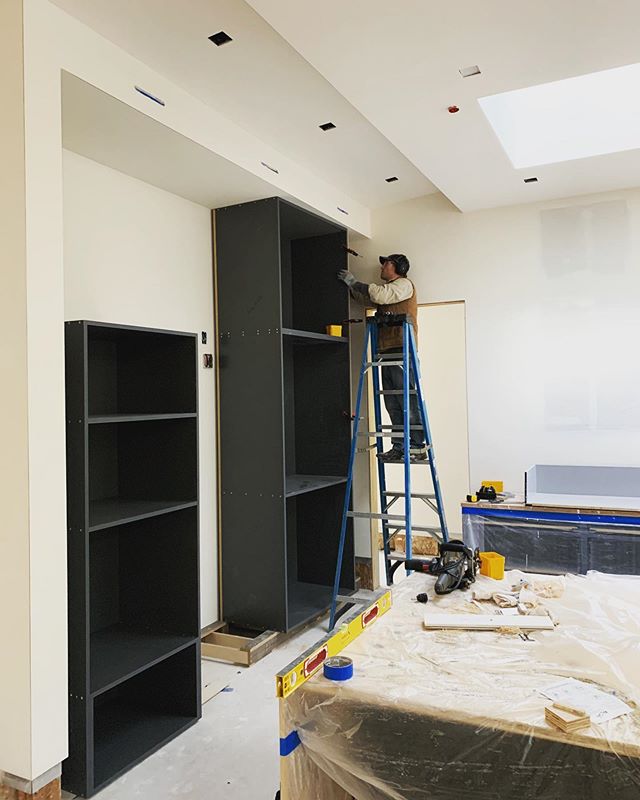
[387,356]
[396,391]
[400,429]
[392,518]
[423,463]
[384,364]
[387,435]
[416,496]
[435,532]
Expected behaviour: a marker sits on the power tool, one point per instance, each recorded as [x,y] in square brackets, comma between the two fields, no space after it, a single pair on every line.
[456,566]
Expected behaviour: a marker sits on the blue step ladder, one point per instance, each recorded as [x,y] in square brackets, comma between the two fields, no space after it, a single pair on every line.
[391,523]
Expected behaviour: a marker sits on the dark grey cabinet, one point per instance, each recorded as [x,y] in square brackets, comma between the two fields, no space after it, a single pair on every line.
[285,408]
[133,556]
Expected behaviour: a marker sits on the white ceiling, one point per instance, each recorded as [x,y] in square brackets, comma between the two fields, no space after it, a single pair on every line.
[385,74]
[99,127]
[398,63]
[261,83]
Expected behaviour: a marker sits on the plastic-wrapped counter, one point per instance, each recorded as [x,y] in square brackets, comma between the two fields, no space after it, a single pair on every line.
[438,715]
[555,540]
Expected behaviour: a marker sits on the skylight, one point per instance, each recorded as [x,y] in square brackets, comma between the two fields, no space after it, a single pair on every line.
[574,118]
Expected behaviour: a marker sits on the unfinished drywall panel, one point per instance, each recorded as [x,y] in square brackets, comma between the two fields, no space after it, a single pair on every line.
[553,317]
[137,255]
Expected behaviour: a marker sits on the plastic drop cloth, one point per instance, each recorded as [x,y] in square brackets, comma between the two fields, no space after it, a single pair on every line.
[437,715]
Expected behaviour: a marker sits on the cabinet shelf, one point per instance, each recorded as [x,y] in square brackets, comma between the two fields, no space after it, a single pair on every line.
[118,653]
[107,419]
[116,511]
[299,484]
[309,337]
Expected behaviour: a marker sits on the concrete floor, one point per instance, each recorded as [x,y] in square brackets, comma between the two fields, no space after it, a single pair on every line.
[232,752]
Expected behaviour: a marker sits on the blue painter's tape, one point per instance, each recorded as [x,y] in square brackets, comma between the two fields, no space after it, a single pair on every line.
[289,743]
[552,516]
[339,668]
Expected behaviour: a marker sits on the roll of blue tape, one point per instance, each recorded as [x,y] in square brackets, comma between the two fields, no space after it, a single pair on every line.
[338,668]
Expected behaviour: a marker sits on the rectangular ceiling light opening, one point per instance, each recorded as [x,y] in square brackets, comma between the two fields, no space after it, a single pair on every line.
[220,38]
[468,72]
[392,179]
[582,117]
[530,180]
[327,126]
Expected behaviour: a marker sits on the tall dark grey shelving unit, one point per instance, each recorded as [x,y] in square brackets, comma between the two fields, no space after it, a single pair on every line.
[285,408]
[133,557]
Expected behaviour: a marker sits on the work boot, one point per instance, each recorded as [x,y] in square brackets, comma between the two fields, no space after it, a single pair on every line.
[393,456]
[417,454]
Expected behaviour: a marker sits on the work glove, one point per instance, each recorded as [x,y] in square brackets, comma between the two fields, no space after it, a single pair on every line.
[348,277]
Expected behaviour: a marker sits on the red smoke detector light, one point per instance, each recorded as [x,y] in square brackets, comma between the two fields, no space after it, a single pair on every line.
[453,109]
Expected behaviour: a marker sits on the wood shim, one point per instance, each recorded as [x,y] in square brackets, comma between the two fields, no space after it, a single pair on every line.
[486,622]
[566,721]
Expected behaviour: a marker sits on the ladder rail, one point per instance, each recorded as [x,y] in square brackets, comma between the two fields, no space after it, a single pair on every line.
[382,478]
[406,346]
[349,486]
[427,432]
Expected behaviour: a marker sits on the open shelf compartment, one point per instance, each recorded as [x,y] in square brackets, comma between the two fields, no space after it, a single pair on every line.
[141,606]
[134,472]
[313,532]
[139,716]
[137,371]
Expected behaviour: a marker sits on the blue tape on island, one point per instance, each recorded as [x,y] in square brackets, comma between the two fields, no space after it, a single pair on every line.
[612,519]
[289,743]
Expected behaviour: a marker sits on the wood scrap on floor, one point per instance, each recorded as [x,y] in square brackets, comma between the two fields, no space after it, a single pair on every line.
[566,719]
[220,645]
[486,622]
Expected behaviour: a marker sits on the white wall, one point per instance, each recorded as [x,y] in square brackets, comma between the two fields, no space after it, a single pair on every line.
[33,564]
[552,295]
[43,40]
[137,255]
[15,689]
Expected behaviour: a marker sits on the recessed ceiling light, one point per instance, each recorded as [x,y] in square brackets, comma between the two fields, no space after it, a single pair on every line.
[581,117]
[220,38]
[530,180]
[392,179]
[327,126]
[467,72]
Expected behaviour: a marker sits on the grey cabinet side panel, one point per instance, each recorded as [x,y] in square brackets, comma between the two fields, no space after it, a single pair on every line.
[254,570]
[251,415]
[248,267]
[78,766]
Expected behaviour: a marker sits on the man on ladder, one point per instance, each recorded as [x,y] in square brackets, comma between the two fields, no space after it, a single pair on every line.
[396,296]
